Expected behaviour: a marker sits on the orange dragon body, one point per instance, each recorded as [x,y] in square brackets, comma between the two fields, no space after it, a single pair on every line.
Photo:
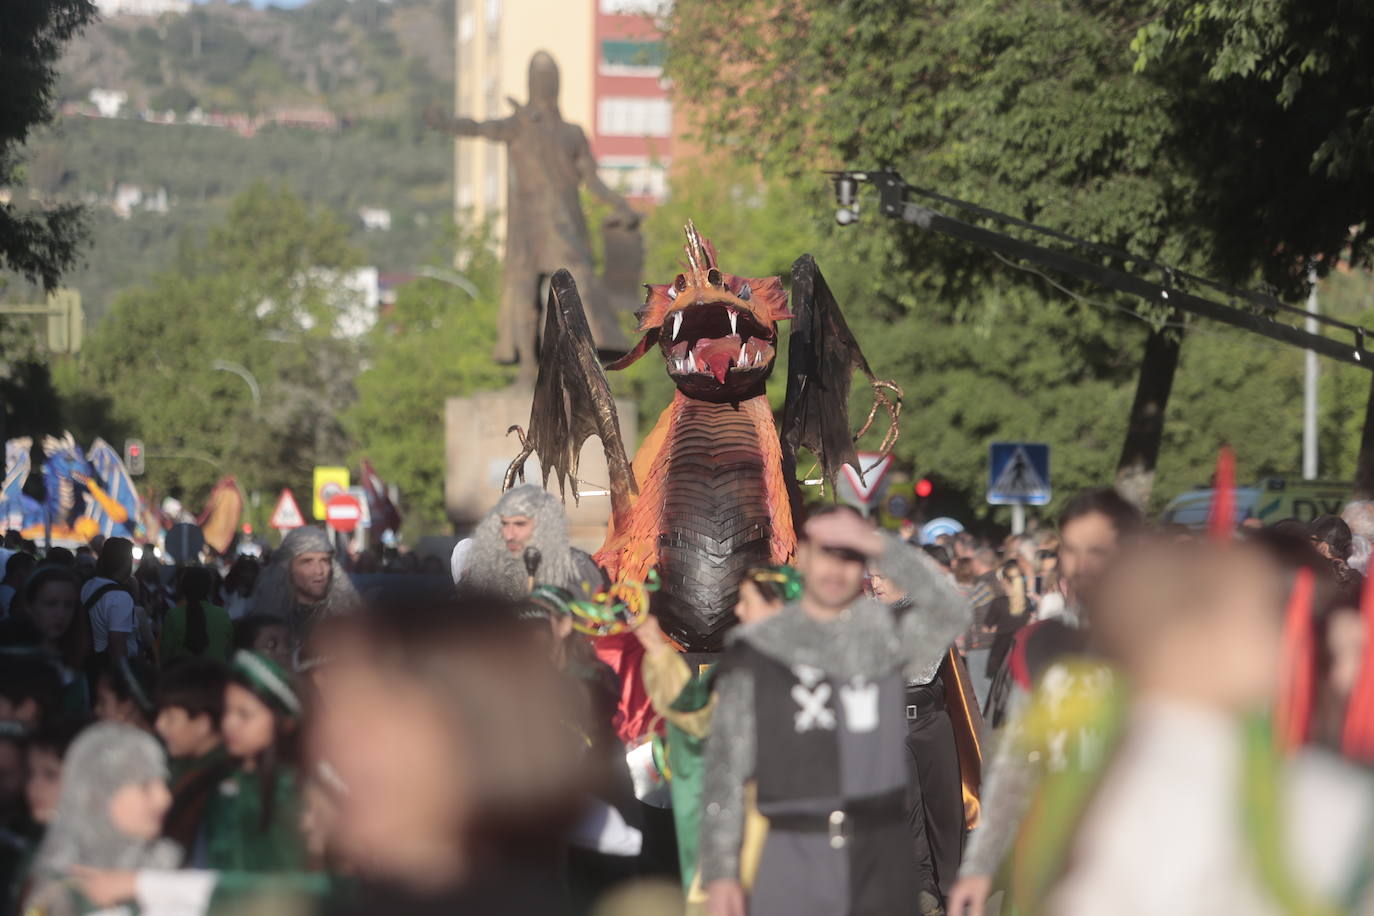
[713,489]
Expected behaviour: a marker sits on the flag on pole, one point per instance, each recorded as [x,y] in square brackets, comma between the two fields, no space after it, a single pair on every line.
[1222,521]
[1293,718]
[1357,737]
[385,515]
[223,513]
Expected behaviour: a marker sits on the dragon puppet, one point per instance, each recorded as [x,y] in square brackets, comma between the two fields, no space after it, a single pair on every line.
[712,491]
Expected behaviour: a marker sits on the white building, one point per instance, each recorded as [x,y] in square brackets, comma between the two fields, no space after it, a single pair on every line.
[375,218]
[142,7]
[108,101]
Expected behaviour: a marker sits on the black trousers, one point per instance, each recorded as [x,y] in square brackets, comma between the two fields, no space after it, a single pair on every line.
[935,800]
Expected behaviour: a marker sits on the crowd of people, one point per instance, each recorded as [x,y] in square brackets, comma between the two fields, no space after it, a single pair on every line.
[1094,717]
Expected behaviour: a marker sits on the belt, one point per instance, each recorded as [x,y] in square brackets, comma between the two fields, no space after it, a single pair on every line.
[922,701]
[840,824]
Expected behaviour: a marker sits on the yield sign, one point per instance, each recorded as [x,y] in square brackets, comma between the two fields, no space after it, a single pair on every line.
[287,515]
[875,467]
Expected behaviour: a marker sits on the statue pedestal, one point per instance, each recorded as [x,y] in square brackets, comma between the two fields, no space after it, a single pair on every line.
[478,451]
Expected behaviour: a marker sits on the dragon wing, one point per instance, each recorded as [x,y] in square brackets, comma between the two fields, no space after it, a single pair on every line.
[572,401]
[822,357]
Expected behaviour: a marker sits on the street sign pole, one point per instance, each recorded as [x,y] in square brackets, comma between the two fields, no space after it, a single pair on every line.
[1018,518]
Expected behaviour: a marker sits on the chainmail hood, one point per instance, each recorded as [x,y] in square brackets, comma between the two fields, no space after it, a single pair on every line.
[490,567]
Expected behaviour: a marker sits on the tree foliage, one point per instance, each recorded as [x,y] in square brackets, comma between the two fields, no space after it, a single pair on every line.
[435,343]
[232,361]
[38,244]
[1271,105]
[1037,110]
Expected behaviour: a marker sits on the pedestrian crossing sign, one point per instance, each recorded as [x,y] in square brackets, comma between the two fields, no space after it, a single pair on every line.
[1019,474]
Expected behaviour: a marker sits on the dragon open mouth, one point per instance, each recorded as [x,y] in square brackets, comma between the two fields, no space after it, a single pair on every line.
[717,341]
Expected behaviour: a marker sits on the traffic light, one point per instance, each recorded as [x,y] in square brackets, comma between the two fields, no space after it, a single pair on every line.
[133,456]
[924,487]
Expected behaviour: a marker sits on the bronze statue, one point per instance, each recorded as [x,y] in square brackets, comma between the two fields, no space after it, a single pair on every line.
[548,160]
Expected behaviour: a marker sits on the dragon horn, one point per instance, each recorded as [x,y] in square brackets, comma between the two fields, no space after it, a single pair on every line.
[697,258]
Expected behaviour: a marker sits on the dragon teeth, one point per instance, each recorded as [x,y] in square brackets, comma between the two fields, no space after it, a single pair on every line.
[677,325]
[734,321]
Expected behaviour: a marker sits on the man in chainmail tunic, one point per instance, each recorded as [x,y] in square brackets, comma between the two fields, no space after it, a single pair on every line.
[935,796]
[810,706]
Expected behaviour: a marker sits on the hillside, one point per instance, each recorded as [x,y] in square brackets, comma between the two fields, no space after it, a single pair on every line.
[359,59]
[153,178]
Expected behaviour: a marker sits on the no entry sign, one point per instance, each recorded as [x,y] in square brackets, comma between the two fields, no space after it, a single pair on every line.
[343,512]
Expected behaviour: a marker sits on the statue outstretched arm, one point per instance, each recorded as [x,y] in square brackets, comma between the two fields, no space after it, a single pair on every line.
[499,129]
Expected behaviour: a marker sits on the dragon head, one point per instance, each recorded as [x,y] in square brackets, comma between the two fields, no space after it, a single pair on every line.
[718,332]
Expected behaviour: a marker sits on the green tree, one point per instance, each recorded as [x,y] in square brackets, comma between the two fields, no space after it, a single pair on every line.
[38,244]
[434,344]
[1033,109]
[1291,84]
[236,360]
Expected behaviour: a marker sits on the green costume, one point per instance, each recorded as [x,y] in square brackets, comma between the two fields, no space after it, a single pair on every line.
[195,783]
[239,835]
[236,837]
[218,627]
[680,755]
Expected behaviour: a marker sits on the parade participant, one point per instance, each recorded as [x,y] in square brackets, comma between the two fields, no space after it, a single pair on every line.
[1195,632]
[265,635]
[195,627]
[526,522]
[109,815]
[124,691]
[46,750]
[460,804]
[190,704]
[29,688]
[808,704]
[304,583]
[239,583]
[51,602]
[1092,528]
[253,821]
[683,698]
[17,569]
[943,757]
[106,598]
[1333,539]
[606,845]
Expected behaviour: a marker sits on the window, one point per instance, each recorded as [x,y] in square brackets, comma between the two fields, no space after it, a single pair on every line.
[631,58]
[634,117]
[635,176]
[636,7]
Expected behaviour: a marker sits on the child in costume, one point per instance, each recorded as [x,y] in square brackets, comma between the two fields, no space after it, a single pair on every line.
[190,706]
[253,820]
[47,748]
[124,690]
[109,815]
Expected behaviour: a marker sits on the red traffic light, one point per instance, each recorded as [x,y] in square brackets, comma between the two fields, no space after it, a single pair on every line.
[924,487]
[135,451]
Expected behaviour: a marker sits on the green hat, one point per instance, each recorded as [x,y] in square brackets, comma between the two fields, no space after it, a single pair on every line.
[267,679]
[785,580]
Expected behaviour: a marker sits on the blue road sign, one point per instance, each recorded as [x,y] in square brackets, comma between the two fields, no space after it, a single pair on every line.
[1018,473]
